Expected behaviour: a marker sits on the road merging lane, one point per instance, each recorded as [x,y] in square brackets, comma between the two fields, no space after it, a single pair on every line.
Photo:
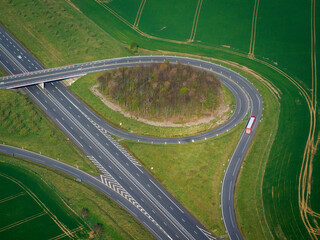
[120,171]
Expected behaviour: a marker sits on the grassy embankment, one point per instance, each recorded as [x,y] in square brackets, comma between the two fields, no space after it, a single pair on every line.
[2,73]
[80,88]
[290,59]
[56,33]
[117,223]
[24,125]
[30,210]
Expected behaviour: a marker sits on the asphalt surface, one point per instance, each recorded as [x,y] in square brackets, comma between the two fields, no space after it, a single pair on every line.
[161,213]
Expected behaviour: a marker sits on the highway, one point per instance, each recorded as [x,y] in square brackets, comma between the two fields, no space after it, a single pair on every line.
[160,212]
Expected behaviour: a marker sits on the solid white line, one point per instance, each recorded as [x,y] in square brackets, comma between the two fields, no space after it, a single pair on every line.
[70,133]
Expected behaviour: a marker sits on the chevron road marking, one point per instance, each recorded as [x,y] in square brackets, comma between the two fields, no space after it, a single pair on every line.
[206,233]
[114,142]
[107,179]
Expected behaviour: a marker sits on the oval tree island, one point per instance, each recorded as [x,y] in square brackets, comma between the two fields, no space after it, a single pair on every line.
[174,94]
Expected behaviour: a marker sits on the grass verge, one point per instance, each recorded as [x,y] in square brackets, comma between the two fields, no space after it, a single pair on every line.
[81,89]
[191,172]
[117,223]
[24,125]
[2,73]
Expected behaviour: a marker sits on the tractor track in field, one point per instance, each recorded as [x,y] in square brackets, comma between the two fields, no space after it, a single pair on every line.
[137,20]
[305,177]
[195,21]
[253,29]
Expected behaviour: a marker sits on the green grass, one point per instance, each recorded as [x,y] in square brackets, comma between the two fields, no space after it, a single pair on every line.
[24,125]
[219,24]
[280,188]
[278,40]
[2,73]
[56,33]
[168,19]
[117,223]
[191,172]
[30,196]
[127,9]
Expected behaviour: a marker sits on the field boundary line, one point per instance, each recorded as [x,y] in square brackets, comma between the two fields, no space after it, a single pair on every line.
[64,235]
[195,21]
[11,197]
[253,29]
[41,204]
[141,7]
[104,5]
[305,177]
[22,221]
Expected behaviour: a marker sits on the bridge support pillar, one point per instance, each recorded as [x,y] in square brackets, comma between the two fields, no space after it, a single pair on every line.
[41,85]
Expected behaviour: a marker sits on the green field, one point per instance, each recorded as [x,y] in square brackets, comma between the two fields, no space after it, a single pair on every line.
[278,39]
[31,210]
[170,20]
[127,9]
[225,23]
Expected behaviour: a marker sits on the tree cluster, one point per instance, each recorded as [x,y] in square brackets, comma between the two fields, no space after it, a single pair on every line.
[162,90]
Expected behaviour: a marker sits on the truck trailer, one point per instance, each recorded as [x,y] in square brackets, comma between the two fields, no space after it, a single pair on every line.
[250,124]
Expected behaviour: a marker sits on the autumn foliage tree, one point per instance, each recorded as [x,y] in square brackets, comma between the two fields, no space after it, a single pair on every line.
[162,90]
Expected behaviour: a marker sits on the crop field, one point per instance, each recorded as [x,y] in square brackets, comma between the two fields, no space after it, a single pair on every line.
[285,37]
[225,24]
[168,20]
[30,210]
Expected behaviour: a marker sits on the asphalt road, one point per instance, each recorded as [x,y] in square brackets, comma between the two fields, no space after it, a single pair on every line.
[165,216]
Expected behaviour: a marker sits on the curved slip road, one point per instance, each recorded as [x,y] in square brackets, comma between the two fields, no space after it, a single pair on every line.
[89,132]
